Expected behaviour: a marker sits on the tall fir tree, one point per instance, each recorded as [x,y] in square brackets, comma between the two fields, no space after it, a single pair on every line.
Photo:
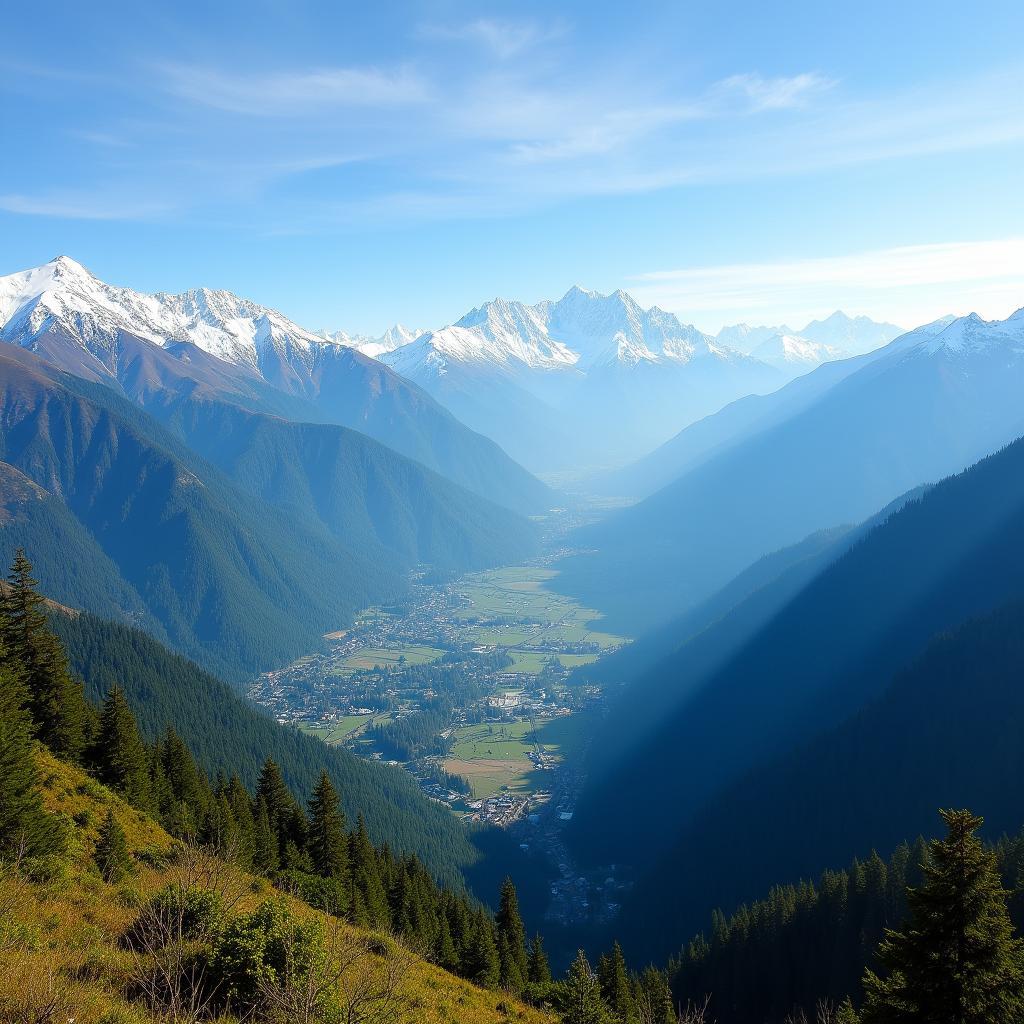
[264,853]
[328,843]
[56,700]
[956,960]
[511,939]
[111,854]
[538,971]
[582,1002]
[280,804]
[482,965]
[26,829]
[652,997]
[120,757]
[368,901]
[616,990]
[241,811]
[191,796]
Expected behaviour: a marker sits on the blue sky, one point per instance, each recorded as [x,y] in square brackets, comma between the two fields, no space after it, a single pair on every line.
[355,164]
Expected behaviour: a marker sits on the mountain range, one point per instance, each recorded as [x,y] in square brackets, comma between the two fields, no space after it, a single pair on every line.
[829,448]
[589,377]
[161,350]
[836,337]
[596,379]
[240,550]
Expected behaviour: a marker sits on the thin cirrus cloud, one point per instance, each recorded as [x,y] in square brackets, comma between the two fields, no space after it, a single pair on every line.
[780,93]
[294,92]
[83,205]
[906,284]
[502,38]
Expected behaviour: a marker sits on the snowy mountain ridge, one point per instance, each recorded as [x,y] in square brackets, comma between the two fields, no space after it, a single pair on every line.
[64,294]
[582,331]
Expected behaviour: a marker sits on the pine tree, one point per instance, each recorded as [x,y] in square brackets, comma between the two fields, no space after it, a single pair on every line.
[482,965]
[955,961]
[368,904]
[111,853]
[121,759]
[264,856]
[615,987]
[328,844]
[846,1014]
[241,812]
[56,701]
[538,971]
[190,790]
[280,804]
[25,827]
[511,939]
[582,1003]
[653,997]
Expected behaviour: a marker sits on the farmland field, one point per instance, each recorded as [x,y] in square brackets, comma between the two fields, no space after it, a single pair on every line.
[338,730]
[512,608]
[380,657]
[496,754]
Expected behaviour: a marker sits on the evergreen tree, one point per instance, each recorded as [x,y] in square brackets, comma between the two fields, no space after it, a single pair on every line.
[25,827]
[956,961]
[368,904]
[582,1003]
[615,987]
[264,856]
[328,844]
[652,997]
[482,965]
[241,812]
[280,804]
[511,939]
[846,1014]
[56,701]
[190,791]
[111,853]
[538,971]
[120,757]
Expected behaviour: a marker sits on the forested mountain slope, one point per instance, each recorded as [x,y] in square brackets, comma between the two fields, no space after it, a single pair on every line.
[952,555]
[236,581]
[945,733]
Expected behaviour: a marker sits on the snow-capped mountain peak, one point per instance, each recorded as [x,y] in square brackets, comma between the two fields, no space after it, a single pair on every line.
[581,331]
[394,337]
[63,296]
[851,334]
[788,349]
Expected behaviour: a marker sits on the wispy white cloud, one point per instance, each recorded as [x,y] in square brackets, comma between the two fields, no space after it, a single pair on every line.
[906,284]
[501,37]
[782,93]
[271,94]
[83,206]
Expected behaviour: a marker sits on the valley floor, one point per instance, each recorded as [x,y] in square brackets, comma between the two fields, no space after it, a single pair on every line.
[471,686]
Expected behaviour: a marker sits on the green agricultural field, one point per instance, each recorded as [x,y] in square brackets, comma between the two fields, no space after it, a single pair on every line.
[502,741]
[576,660]
[380,657]
[514,609]
[492,755]
[336,731]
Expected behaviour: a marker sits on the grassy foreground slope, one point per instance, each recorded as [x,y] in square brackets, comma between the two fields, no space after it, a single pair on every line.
[63,948]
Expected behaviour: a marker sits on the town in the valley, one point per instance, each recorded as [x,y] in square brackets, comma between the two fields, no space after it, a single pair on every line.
[476,685]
